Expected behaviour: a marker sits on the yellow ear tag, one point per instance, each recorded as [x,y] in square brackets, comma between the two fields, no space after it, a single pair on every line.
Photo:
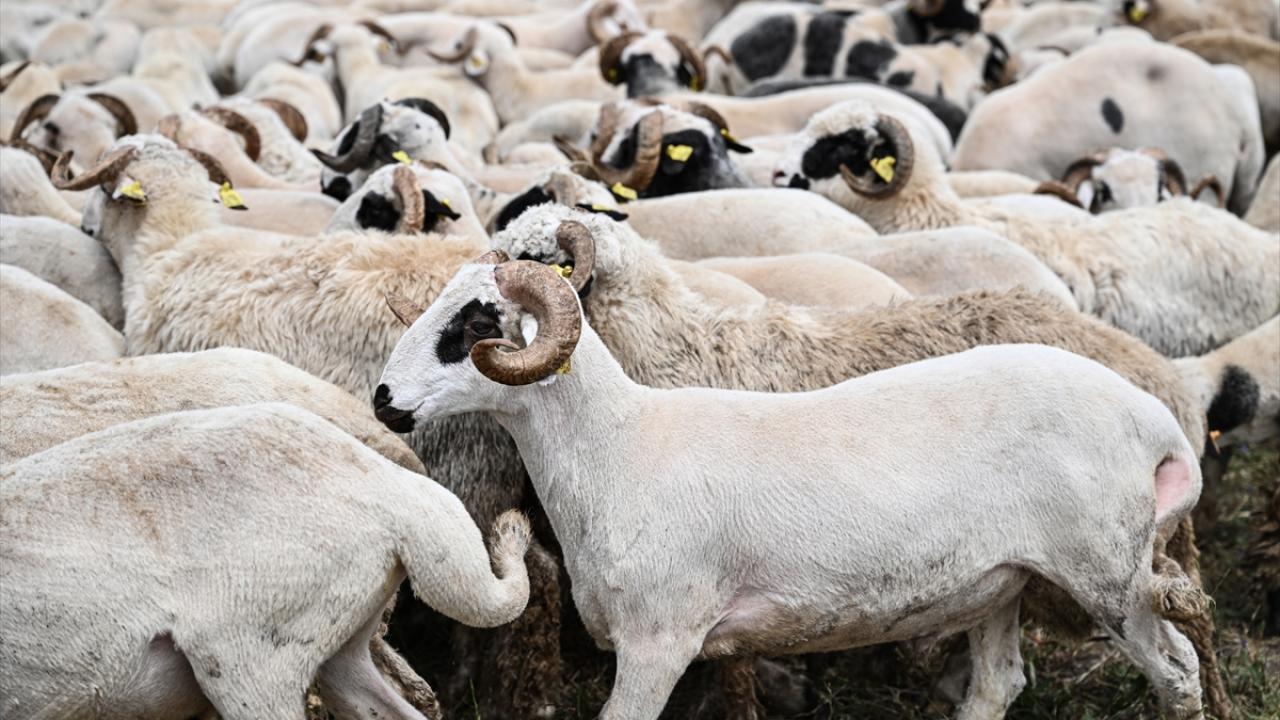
[134,191]
[446,203]
[727,136]
[402,157]
[1137,14]
[623,191]
[694,85]
[1213,438]
[884,167]
[563,271]
[679,153]
[565,368]
[597,207]
[230,198]
[612,74]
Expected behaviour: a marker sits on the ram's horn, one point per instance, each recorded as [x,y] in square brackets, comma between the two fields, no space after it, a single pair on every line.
[12,75]
[1058,190]
[1082,169]
[368,125]
[648,152]
[1174,178]
[240,125]
[691,56]
[37,110]
[577,242]
[126,123]
[106,171]
[217,174]
[468,44]
[308,52]
[381,32]
[412,209]
[1209,182]
[554,304]
[290,116]
[902,151]
[611,56]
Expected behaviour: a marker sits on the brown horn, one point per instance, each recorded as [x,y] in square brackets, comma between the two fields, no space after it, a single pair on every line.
[370,122]
[382,32]
[571,151]
[584,169]
[308,52]
[125,121]
[1058,190]
[1082,169]
[648,154]
[596,17]
[691,56]
[106,171]
[290,116]
[895,133]
[405,310]
[169,126]
[1209,182]
[217,174]
[46,158]
[606,126]
[37,110]
[611,56]
[412,209]
[8,79]
[1174,178]
[468,44]
[554,303]
[240,125]
[493,257]
[577,242]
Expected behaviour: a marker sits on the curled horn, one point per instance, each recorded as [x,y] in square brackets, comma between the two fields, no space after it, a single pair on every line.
[240,125]
[412,209]
[553,302]
[596,17]
[717,51]
[37,110]
[1174,178]
[468,44]
[611,56]
[716,119]
[510,31]
[308,51]
[1058,190]
[169,126]
[1082,169]
[217,174]
[694,59]
[381,32]
[424,105]
[125,121]
[1209,182]
[12,75]
[926,8]
[290,116]
[46,158]
[369,123]
[893,132]
[405,310]
[571,151]
[586,170]
[577,242]
[106,171]
[648,150]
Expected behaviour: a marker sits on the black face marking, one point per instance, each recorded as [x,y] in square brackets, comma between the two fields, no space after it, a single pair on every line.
[953,17]
[902,78]
[799,182]
[609,212]
[761,51]
[517,206]
[823,159]
[821,43]
[1236,402]
[693,174]
[1101,196]
[338,188]
[644,76]
[1112,115]
[377,211]
[476,321]
[437,207]
[997,64]
[396,420]
[868,58]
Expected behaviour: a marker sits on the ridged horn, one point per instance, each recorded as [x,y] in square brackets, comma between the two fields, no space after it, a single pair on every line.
[554,303]
[412,208]
[368,125]
[902,150]
[577,242]
[240,125]
[126,123]
[38,109]
[468,44]
[290,116]
[106,171]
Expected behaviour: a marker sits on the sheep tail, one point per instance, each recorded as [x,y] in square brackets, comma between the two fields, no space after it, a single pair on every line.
[1175,596]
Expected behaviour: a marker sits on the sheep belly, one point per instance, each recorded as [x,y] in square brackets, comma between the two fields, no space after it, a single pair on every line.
[756,621]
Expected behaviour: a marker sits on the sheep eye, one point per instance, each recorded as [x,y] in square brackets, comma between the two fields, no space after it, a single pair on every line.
[482,328]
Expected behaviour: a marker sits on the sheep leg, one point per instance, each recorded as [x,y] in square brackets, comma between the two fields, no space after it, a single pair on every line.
[351,686]
[1166,657]
[245,682]
[648,669]
[997,666]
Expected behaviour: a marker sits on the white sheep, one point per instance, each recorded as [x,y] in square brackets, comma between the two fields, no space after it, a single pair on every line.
[309,93]
[1117,178]
[25,189]
[192,613]
[704,562]
[1157,272]
[20,84]
[830,280]
[65,257]
[45,327]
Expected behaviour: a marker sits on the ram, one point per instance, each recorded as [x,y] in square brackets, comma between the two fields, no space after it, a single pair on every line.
[320,307]
[1118,179]
[20,84]
[407,199]
[714,539]
[1157,272]
[45,327]
[1121,94]
[167,638]
[317,107]
[666,336]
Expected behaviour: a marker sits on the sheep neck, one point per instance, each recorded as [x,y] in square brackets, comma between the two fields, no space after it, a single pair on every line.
[508,81]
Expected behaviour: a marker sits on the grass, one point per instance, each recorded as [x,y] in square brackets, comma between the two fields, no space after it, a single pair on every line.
[1066,680]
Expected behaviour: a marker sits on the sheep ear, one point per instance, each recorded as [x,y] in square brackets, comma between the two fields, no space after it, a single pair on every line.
[437,206]
[130,189]
[405,310]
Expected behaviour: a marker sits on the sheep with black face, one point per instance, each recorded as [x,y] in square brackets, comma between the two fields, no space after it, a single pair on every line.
[409,199]
[652,64]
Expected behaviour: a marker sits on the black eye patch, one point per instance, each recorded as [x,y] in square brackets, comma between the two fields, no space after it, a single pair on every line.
[476,321]
[823,159]
[672,148]
[377,211]
[339,188]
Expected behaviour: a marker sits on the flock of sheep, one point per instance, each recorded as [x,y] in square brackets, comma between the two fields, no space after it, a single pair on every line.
[766,328]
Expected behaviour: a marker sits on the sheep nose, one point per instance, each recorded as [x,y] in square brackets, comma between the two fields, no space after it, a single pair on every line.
[394,418]
[799,182]
[779,177]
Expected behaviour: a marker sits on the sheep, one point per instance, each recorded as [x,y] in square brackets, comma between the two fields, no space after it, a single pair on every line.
[316,105]
[1257,56]
[1122,94]
[166,638]
[1166,19]
[25,188]
[1239,386]
[169,60]
[573,185]
[283,131]
[739,591]
[87,120]
[990,183]
[761,223]
[317,306]
[65,258]
[86,51]
[214,132]
[1116,178]
[148,14]
[408,199]
[486,53]
[263,35]
[652,64]
[666,336]
[45,327]
[21,23]
[20,84]
[1156,272]
[1265,211]
[1048,24]
[831,280]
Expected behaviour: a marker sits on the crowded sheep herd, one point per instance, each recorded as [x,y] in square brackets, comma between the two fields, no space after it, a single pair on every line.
[421,358]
